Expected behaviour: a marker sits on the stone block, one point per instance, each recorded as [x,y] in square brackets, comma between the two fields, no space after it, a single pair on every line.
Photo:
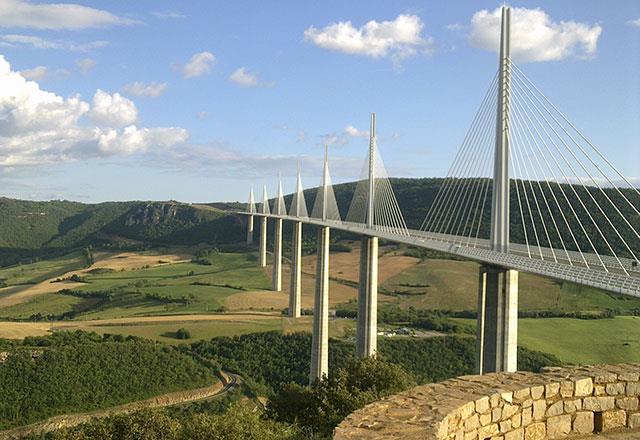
[598,403]
[629,376]
[517,434]
[571,406]
[598,390]
[584,387]
[566,389]
[485,419]
[627,403]
[527,416]
[505,426]
[516,421]
[482,405]
[494,400]
[615,389]
[558,426]
[551,390]
[634,421]
[472,423]
[496,414]
[539,409]
[605,377]
[471,435]
[507,396]
[509,410]
[555,409]
[583,422]
[536,431]
[521,395]
[633,389]
[537,392]
[613,420]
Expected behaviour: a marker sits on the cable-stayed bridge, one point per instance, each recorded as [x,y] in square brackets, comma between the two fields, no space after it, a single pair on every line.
[527,191]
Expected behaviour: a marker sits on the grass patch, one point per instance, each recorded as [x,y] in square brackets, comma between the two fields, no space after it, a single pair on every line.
[41,270]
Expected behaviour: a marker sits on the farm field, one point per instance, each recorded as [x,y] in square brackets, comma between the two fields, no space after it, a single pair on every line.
[40,271]
[615,340]
[163,328]
[452,285]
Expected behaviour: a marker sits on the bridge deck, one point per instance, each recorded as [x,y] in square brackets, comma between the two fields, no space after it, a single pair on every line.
[556,263]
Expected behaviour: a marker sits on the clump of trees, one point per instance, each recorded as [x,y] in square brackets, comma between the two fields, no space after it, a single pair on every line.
[79,371]
[321,406]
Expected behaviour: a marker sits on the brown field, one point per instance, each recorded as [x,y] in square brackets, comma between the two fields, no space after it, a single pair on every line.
[157,327]
[108,260]
[342,266]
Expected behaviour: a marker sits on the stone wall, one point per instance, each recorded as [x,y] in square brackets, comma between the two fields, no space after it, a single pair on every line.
[558,403]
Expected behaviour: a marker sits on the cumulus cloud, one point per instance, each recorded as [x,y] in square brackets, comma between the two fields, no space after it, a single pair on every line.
[399,39]
[535,36]
[33,42]
[199,64]
[354,132]
[36,74]
[86,65]
[112,110]
[635,23]
[245,78]
[38,127]
[151,90]
[57,16]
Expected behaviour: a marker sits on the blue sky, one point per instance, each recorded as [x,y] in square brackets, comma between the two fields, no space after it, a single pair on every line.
[224,95]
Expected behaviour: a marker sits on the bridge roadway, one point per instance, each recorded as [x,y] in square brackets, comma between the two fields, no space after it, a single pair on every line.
[569,265]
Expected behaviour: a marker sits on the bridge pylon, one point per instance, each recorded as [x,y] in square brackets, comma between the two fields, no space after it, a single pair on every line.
[367,331]
[262,258]
[298,210]
[251,209]
[320,336]
[497,326]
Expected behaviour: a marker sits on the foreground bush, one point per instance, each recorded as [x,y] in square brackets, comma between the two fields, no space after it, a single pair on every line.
[326,403]
[241,422]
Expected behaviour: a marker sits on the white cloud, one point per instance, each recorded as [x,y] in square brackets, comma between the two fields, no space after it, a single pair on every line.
[399,39]
[244,78]
[36,74]
[168,14]
[112,110]
[635,23]
[199,64]
[86,65]
[354,132]
[534,36]
[24,14]
[151,90]
[38,127]
[17,40]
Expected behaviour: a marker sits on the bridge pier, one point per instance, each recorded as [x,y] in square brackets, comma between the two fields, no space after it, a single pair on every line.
[263,242]
[249,229]
[320,338]
[497,331]
[277,256]
[296,271]
[367,333]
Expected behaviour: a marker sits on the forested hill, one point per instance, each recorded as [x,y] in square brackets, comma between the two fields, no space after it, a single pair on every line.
[30,228]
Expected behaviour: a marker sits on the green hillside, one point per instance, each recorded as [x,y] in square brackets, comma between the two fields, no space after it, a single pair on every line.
[31,230]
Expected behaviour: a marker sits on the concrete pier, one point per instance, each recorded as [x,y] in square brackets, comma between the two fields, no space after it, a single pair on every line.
[263,242]
[249,229]
[320,338]
[296,271]
[497,332]
[367,333]
[277,256]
